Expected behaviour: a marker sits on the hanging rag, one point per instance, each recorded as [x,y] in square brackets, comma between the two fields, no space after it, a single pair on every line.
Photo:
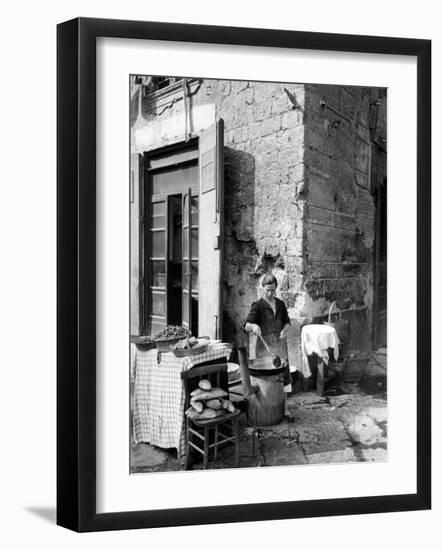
[317,339]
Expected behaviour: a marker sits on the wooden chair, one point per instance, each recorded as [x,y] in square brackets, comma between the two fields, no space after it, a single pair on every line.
[204,435]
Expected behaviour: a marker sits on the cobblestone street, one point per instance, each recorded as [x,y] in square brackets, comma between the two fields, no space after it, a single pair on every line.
[346,428]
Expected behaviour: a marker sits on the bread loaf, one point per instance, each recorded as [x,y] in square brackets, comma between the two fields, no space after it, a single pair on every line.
[207,414]
[216,393]
[197,405]
[228,405]
[213,404]
[205,385]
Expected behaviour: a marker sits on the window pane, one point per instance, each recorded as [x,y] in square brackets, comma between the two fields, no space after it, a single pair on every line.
[194,211]
[185,306]
[158,214]
[195,243]
[158,208]
[194,276]
[185,209]
[172,180]
[156,326]
[158,303]
[185,244]
[159,222]
[158,274]
[157,244]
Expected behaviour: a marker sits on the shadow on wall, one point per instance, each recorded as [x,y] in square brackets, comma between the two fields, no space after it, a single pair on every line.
[240,250]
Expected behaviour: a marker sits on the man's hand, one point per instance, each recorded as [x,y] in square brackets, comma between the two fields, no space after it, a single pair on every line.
[283,334]
[256,329]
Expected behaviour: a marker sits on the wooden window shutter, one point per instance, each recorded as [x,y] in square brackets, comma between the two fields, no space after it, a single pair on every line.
[136,271]
[211,207]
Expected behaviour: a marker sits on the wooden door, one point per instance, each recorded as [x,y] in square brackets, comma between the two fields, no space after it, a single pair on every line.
[136,242]
[186,306]
[211,213]
[167,180]
[156,259]
[190,235]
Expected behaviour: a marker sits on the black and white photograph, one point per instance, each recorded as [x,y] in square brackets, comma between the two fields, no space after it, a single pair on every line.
[220,241]
[258,274]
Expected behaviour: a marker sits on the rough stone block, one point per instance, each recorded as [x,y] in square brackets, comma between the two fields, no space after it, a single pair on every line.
[280,104]
[261,110]
[265,92]
[317,162]
[347,102]
[344,221]
[347,291]
[320,216]
[293,247]
[325,244]
[318,431]
[318,139]
[361,155]
[365,430]
[280,452]
[321,191]
[291,119]
[378,414]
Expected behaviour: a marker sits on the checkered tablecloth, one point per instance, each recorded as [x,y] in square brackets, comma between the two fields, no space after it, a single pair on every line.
[158,416]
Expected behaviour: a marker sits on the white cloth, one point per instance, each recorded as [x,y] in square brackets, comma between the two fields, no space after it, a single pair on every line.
[317,339]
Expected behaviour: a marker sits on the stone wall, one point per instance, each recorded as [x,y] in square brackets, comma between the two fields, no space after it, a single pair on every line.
[264,172]
[298,202]
[340,208]
[264,176]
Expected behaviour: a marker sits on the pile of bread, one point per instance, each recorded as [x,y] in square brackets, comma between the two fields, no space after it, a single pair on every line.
[207,402]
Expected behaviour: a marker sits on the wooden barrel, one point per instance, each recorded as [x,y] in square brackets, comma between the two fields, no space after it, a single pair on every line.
[266,406]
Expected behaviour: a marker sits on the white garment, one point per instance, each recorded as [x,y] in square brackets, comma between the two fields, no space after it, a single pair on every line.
[317,339]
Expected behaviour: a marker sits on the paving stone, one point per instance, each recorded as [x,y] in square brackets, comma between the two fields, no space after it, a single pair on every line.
[364,430]
[379,414]
[282,430]
[319,431]
[144,454]
[332,457]
[278,453]
[307,399]
[333,430]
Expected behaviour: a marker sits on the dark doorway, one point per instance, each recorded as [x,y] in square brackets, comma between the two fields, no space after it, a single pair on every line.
[171,239]
[380,298]
[175,260]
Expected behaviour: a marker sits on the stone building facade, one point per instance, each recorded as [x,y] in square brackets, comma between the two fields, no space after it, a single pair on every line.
[298,170]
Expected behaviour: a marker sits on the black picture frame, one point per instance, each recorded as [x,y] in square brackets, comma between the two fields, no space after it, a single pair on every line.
[76,274]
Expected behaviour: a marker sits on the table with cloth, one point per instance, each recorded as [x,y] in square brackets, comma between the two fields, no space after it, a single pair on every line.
[317,340]
[159,397]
